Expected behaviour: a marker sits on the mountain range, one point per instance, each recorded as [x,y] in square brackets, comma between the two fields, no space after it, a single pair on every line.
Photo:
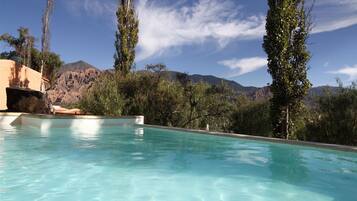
[73,79]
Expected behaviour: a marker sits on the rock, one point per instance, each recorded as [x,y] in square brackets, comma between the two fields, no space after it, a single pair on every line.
[72,81]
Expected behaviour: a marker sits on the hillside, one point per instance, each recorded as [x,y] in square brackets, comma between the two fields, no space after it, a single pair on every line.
[73,79]
[215,81]
[76,67]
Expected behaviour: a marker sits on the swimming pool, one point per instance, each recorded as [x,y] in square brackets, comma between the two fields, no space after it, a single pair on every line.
[142,163]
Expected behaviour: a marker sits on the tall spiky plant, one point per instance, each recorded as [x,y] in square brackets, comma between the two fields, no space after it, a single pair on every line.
[287,30]
[126,37]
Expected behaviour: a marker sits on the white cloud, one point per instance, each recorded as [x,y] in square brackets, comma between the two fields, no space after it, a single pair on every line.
[245,65]
[98,8]
[331,15]
[350,71]
[165,27]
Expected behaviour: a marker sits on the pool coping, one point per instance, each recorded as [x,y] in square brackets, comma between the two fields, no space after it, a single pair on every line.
[260,138]
[57,116]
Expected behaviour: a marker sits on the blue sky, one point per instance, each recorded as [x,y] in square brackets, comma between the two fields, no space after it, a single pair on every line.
[218,37]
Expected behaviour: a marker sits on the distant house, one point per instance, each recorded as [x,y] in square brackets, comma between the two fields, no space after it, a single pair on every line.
[15,75]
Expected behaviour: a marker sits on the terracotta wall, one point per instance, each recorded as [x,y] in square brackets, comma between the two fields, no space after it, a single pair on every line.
[15,75]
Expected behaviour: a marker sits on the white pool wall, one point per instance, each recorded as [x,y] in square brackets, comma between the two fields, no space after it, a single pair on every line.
[54,121]
[8,118]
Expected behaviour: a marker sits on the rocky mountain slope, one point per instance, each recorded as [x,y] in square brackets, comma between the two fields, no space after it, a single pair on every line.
[74,79]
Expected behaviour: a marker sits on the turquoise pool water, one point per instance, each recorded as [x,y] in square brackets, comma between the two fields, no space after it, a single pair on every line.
[133,163]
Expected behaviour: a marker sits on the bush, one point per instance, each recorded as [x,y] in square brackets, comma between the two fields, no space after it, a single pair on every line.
[252,118]
[334,120]
[103,98]
[162,102]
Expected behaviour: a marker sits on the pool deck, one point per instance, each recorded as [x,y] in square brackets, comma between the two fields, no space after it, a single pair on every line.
[83,122]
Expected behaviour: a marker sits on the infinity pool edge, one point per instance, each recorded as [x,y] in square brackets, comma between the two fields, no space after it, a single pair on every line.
[260,138]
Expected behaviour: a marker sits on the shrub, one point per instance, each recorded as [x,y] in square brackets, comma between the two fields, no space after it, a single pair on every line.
[162,102]
[252,118]
[334,120]
[104,98]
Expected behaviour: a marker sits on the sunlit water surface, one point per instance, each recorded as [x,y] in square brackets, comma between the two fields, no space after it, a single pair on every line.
[133,163]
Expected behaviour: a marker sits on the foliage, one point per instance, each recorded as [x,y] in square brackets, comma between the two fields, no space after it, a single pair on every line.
[181,103]
[12,55]
[162,102]
[103,98]
[126,37]
[30,57]
[287,30]
[52,63]
[207,104]
[252,118]
[334,120]
[22,45]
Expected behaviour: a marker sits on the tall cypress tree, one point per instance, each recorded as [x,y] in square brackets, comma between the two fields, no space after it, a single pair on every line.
[126,37]
[287,30]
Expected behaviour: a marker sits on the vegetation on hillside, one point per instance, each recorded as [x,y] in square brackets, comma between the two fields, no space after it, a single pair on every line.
[252,118]
[334,119]
[169,103]
[181,103]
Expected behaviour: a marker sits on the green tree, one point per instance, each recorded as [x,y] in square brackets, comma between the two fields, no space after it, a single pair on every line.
[126,37]
[252,118]
[104,98]
[162,101]
[206,104]
[287,29]
[25,53]
[22,45]
[334,120]
[50,61]
[12,55]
